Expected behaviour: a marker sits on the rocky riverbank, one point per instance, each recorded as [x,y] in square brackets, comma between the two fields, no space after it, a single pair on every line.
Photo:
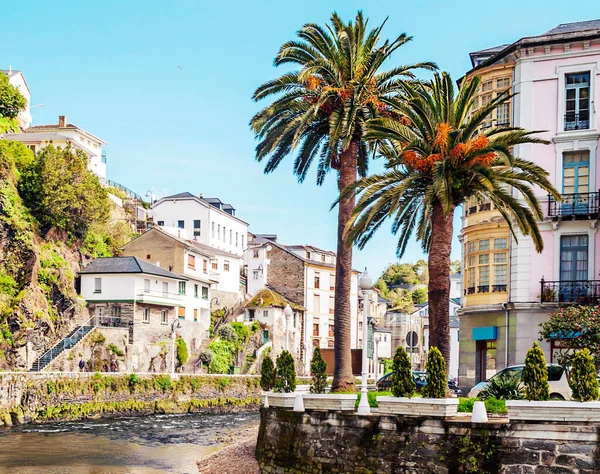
[237,457]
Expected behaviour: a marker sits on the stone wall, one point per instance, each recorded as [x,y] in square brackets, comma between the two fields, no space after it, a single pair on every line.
[286,274]
[328,442]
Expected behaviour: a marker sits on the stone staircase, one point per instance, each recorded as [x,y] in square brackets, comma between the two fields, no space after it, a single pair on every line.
[68,342]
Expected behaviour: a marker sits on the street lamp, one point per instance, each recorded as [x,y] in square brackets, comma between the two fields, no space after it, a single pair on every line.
[365,283]
[287,312]
[176,325]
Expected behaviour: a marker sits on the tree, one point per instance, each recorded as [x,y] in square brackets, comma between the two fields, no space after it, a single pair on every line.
[267,374]
[576,327]
[437,380]
[318,368]
[434,164]
[455,266]
[285,379]
[583,377]
[12,101]
[61,192]
[403,383]
[419,295]
[319,113]
[535,374]
[182,351]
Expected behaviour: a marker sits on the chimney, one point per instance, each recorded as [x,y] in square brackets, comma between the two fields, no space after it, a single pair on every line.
[201,195]
[62,121]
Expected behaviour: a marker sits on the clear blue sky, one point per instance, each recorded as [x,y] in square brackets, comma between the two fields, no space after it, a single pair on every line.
[112,68]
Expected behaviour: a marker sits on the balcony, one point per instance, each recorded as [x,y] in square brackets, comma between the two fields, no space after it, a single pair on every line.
[498,288]
[158,297]
[580,121]
[483,289]
[584,292]
[578,206]
[470,290]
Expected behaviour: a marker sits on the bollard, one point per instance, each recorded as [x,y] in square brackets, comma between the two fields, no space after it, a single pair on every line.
[479,414]
[299,403]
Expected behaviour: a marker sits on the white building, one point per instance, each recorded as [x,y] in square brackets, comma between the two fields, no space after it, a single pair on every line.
[62,135]
[17,79]
[382,340]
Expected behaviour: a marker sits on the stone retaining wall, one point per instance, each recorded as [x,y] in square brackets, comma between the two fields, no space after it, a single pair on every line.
[329,442]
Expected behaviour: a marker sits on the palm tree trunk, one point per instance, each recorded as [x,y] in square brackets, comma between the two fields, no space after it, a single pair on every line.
[343,379]
[439,280]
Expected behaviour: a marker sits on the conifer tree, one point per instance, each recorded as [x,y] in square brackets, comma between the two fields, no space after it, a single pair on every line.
[436,375]
[285,379]
[583,377]
[318,368]
[403,383]
[267,374]
[535,374]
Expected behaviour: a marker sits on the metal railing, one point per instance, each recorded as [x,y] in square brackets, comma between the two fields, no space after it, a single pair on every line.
[112,321]
[584,292]
[498,288]
[159,294]
[580,121]
[578,205]
[125,189]
[483,289]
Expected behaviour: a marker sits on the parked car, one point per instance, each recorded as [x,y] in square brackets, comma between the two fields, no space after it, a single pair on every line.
[557,380]
[420,377]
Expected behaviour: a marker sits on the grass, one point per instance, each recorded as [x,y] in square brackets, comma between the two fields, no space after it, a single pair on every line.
[492,405]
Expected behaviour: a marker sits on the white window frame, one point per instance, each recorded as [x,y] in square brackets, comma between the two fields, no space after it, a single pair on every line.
[97,285]
[562,71]
[591,233]
[145,315]
[164,317]
[564,145]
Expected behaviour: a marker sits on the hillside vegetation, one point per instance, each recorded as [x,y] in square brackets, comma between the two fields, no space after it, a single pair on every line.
[54,214]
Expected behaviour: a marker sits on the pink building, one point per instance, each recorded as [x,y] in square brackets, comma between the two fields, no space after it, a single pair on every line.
[557,77]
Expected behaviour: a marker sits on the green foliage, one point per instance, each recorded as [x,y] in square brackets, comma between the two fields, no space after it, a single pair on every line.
[12,101]
[97,338]
[473,455]
[8,125]
[215,316]
[387,365]
[576,327]
[61,192]
[222,383]
[285,380]
[162,382]
[267,374]
[206,356]
[255,327]
[115,350]
[133,382]
[223,357]
[182,351]
[436,375]
[228,333]
[455,266]
[52,266]
[492,405]
[248,361]
[419,295]
[403,383]
[535,374]
[242,332]
[503,387]
[583,377]
[318,369]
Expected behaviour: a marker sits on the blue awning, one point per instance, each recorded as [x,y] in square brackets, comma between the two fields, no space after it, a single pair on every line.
[488,333]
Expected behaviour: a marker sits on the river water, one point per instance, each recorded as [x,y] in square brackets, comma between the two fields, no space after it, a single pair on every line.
[153,444]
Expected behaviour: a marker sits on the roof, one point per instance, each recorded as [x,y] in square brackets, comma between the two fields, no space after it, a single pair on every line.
[55,127]
[201,200]
[127,265]
[483,54]
[268,298]
[34,137]
[456,301]
[454,322]
[573,27]
[381,299]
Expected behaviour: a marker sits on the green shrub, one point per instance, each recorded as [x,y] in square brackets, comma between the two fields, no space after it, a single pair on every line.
[162,382]
[255,327]
[583,377]
[503,387]
[206,357]
[115,350]
[133,382]
[318,369]
[492,405]
[535,374]
[242,332]
[267,374]
[182,351]
[98,338]
[436,375]
[227,333]
[223,357]
[285,380]
[403,383]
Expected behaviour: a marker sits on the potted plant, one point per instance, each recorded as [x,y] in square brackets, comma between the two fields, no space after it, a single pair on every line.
[434,404]
[284,382]
[317,399]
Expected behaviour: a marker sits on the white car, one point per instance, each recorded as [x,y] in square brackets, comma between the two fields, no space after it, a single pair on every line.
[557,380]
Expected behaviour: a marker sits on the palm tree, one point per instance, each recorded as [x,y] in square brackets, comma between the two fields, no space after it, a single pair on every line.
[435,164]
[318,113]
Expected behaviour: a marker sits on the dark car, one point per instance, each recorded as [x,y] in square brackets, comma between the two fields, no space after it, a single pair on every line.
[384,384]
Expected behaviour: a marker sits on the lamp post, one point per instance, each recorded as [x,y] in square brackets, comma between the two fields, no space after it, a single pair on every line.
[176,325]
[365,283]
[287,312]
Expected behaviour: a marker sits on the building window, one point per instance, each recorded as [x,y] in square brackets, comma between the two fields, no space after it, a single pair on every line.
[330,344]
[360,326]
[205,266]
[331,282]
[486,86]
[316,329]
[316,343]
[331,304]
[195,314]
[192,262]
[116,311]
[165,288]
[484,276]
[146,286]
[230,237]
[265,313]
[148,256]
[250,315]
[255,254]
[472,247]
[331,330]
[163,316]
[215,265]
[197,228]
[237,239]
[195,291]
[484,245]
[503,83]
[161,223]
[308,255]
[146,315]
[97,285]
[205,292]
[182,287]
[218,231]
[317,280]
[576,171]
[224,234]
[255,273]
[181,224]
[242,241]
[181,312]
[213,230]
[485,101]
[500,243]
[502,113]
[577,101]
[322,257]
[226,265]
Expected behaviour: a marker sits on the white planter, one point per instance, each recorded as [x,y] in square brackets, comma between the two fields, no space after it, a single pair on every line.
[432,407]
[554,410]
[329,401]
[280,400]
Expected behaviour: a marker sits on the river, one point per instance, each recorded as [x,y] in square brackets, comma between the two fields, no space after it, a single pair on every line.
[153,444]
